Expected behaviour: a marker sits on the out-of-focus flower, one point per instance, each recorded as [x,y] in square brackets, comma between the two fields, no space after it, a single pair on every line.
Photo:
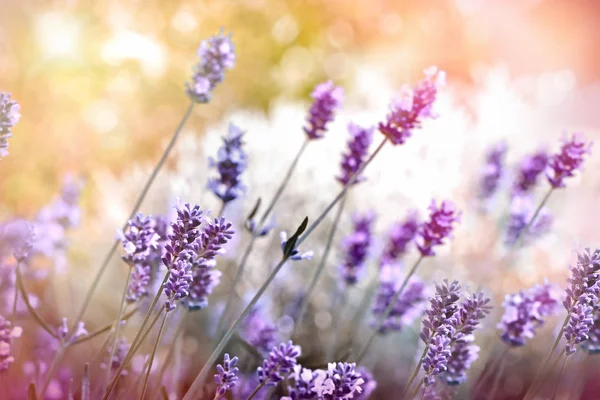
[570,158]
[279,364]
[355,248]
[439,227]
[522,210]
[63,330]
[259,331]
[296,255]
[399,237]
[9,117]
[246,385]
[369,385]
[216,55]
[327,98]
[493,171]
[205,278]
[118,357]
[412,107]
[7,334]
[529,169]
[358,148]
[263,231]
[226,376]
[230,163]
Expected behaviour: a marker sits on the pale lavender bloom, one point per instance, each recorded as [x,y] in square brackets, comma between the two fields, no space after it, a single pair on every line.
[296,255]
[580,322]
[522,210]
[226,376]
[358,148]
[570,159]
[9,117]
[259,331]
[279,364]
[436,360]
[399,237]
[7,334]
[408,111]
[439,227]
[327,98]
[355,248]
[216,55]
[63,331]
[230,163]
[493,171]
[530,168]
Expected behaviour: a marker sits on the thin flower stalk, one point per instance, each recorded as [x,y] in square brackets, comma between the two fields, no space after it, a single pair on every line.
[149,370]
[171,352]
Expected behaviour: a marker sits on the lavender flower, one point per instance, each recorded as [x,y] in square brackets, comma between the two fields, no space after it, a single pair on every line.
[493,171]
[63,331]
[230,164]
[340,382]
[216,56]
[436,360]
[259,331]
[279,364]
[7,335]
[472,310]
[226,377]
[522,210]
[462,356]
[214,236]
[413,106]
[564,164]
[118,357]
[204,280]
[580,322]
[9,117]
[400,236]
[296,254]
[304,381]
[529,169]
[356,248]
[358,148]
[369,385]
[327,98]
[592,345]
[245,386]
[439,227]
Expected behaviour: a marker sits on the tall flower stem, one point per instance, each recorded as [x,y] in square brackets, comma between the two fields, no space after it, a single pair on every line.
[388,310]
[319,272]
[521,235]
[242,264]
[562,370]
[117,326]
[201,377]
[415,372]
[156,342]
[136,207]
[256,389]
[498,378]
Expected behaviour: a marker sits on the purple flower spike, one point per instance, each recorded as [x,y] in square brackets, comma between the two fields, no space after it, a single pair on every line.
[358,148]
[230,164]
[493,171]
[473,309]
[341,381]
[178,285]
[259,331]
[279,364]
[214,235]
[580,322]
[436,360]
[185,233]
[216,55]
[7,335]
[399,237]
[529,169]
[439,227]
[521,212]
[226,377]
[296,254]
[356,248]
[413,106]
[327,98]
[442,315]
[461,358]
[564,164]
[9,117]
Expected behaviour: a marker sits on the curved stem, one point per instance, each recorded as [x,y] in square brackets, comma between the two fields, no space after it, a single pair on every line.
[388,310]
[256,389]
[117,326]
[136,207]
[30,308]
[160,330]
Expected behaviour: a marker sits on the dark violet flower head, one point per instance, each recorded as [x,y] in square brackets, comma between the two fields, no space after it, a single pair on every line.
[216,55]
[230,163]
[439,227]
[226,376]
[9,117]
[7,334]
[408,111]
[358,148]
[327,98]
[355,248]
[400,236]
[570,158]
[279,364]
[442,316]
[493,171]
[259,331]
[436,360]
[296,254]
[462,356]
[522,210]
[409,305]
[529,169]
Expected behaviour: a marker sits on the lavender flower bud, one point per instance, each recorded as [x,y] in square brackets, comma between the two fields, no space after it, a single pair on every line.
[216,56]
[327,98]
[356,248]
[230,164]
[400,236]
[413,106]
[564,164]
[279,364]
[358,148]
[462,356]
[214,235]
[259,331]
[9,117]
[226,377]
[436,360]
[185,232]
[439,227]
[493,171]
[529,169]
[296,254]
[7,335]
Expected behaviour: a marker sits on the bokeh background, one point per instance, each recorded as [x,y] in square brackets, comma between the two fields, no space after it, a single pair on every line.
[101,90]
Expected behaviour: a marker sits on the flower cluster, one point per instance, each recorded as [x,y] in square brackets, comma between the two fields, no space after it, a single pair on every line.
[230,163]
[399,237]
[582,297]
[216,56]
[9,117]
[327,98]
[570,158]
[522,210]
[226,376]
[439,227]
[525,312]
[493,171]
[7,335]
[259,331]
[340,381]
[358,148]
[355,248]
[296,255]
[529,169]
[413,106]
[279,364]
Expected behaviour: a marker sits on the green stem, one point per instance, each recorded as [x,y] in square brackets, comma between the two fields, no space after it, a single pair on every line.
[160,330]
[117,326]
